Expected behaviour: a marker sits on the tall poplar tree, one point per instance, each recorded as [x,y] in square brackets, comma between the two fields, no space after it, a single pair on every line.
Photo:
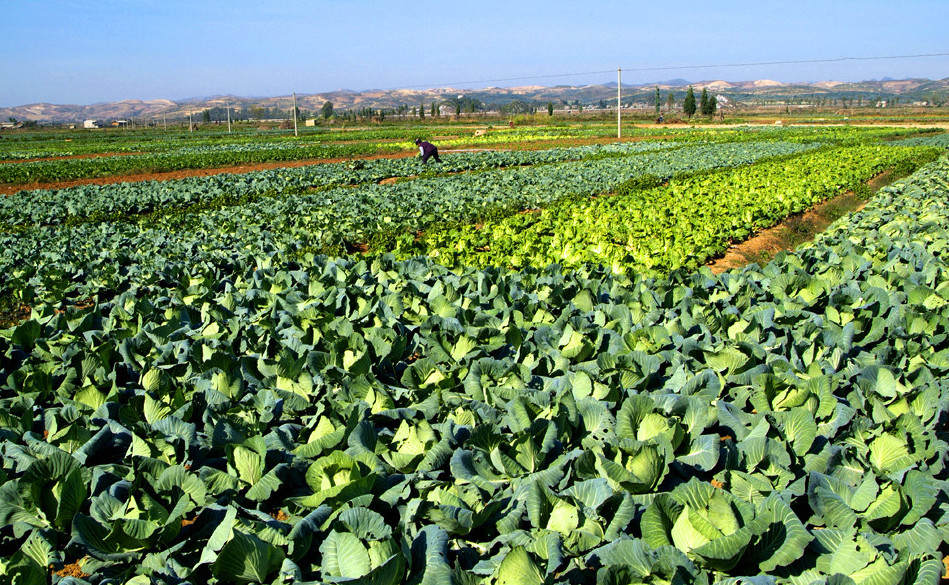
[703,102]
[688,106]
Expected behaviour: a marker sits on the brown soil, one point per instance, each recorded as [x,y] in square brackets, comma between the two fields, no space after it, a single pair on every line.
[793,231]
[15,316]
[72,570]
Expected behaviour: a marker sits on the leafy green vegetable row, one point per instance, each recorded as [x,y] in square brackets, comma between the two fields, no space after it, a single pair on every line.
[938,140]
[219,151]
[50,144]
[82,203]
[660,229]
[95,254]
[104,166]
[387,422]
[47,144]
[157,151]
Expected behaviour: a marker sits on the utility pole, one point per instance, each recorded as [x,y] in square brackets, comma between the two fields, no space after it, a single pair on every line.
[295,114]
[228,117]
[619,104]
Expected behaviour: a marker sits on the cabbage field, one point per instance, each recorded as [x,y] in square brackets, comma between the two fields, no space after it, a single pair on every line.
[514,368]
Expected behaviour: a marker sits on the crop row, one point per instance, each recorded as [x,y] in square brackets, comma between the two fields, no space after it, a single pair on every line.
[156,152]
[937,140]
[91,253]
[47,207]
[401,209]
[33,145]
[188,152]
[836,135]
[660,229]
[393,422]
[39,145]
[104,166]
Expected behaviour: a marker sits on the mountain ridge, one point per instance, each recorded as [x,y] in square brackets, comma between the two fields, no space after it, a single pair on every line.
[738,92]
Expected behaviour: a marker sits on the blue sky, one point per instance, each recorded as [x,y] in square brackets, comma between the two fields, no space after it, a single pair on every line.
[88,51]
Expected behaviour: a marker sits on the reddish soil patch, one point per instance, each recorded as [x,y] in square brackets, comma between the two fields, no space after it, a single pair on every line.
[766,244]
[17,315]
[785,236]
[72,570]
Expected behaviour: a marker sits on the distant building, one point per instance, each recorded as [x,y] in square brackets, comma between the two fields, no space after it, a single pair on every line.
[91,124]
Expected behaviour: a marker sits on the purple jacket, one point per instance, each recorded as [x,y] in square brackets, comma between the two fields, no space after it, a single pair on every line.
[427,149]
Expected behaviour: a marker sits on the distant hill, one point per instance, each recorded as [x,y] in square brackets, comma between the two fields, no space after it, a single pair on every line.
[104,111]
[589,96]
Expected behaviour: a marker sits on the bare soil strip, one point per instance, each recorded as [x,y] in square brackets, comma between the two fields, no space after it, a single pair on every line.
[794,230]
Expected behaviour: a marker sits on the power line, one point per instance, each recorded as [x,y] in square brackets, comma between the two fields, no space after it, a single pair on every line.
[795,62]
[674,68]
[506,79]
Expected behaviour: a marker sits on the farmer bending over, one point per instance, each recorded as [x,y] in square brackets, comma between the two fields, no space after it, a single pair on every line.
[427,149]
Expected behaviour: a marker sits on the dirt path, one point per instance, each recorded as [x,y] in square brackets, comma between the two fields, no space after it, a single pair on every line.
[795,230]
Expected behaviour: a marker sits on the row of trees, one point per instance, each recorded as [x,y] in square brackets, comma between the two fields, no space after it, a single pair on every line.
[254,112]
[707,103]
[890,101]
[457,104]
